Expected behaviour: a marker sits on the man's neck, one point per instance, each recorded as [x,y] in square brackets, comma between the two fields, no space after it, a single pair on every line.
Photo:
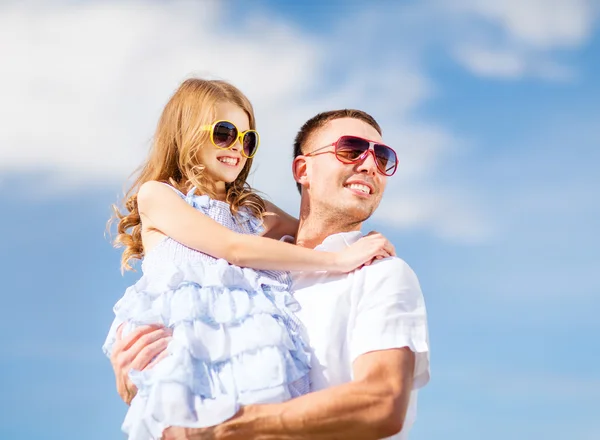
[312,231]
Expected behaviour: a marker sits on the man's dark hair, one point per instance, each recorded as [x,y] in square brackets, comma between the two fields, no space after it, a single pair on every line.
[318,121]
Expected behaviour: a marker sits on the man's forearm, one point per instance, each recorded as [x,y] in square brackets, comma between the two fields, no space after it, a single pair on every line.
[351,411]
[372,406]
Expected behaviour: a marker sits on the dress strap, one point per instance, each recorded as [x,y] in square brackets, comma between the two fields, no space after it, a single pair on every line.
[182,195]
[198,202]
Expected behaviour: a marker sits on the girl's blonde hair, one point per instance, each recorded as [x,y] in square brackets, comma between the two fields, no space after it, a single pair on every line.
[174,155]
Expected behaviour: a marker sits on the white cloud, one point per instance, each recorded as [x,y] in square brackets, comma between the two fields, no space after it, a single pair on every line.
[87,81]
[447,212]
[513,38]
[544,24]
[510,64]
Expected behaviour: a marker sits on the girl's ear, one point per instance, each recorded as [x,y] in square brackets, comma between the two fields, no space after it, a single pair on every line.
[300,170]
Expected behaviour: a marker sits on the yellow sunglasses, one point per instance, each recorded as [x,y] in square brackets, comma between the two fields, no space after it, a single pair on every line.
[224,134]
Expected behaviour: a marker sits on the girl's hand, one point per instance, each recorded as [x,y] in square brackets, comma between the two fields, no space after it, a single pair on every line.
[364,252]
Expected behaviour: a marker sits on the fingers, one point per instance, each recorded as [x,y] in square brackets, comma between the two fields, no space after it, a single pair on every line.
[137,333]
[369,248]
[151,354]
[127,391]
[137,351]
[147,347]
[163,354]
[379,256]
[389,248]
[382,242]
[122,344]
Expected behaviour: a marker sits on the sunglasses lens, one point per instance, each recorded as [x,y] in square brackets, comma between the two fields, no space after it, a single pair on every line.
[250,143]
[350,148]
[386,159]
[224,134]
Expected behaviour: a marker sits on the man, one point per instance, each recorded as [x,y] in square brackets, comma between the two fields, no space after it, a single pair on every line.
[367,329]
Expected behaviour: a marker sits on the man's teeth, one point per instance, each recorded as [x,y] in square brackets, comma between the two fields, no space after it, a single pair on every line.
[228,160]
[359,187]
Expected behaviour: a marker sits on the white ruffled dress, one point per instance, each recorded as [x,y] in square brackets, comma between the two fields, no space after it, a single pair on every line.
[236,340]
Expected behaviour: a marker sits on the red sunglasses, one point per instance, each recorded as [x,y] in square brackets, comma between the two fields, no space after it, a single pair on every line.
[354,149]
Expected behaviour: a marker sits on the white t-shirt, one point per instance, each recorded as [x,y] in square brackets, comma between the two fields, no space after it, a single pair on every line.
[377,307]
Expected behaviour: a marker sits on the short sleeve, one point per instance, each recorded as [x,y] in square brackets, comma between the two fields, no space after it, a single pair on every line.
[391,314]
[254,225]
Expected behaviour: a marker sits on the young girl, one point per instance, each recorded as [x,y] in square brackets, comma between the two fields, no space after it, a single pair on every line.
[197,225]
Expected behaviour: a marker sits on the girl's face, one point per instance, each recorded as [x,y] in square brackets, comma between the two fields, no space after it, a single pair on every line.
[223,166]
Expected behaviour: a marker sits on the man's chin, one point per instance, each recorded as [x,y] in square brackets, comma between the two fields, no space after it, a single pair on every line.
[358,214]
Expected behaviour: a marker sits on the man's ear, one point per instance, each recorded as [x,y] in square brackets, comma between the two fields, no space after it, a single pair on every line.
[300,170]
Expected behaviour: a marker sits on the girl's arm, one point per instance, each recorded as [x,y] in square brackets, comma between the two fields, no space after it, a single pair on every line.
[278,223]
[163,210]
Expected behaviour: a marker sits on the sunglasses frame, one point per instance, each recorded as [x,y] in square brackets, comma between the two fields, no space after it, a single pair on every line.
[362,157]
[239,138]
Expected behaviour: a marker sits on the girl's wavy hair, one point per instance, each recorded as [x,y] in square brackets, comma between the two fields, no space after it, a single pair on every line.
[174,159]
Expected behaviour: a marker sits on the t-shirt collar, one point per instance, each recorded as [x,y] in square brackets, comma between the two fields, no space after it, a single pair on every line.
[333,243]
[339,241]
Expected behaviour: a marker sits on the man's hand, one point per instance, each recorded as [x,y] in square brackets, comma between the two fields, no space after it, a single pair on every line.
[140,350]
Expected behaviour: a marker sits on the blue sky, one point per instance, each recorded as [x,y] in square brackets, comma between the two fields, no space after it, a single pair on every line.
[492,106]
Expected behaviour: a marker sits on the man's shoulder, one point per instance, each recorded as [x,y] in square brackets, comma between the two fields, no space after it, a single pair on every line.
[394,267]
[391,274]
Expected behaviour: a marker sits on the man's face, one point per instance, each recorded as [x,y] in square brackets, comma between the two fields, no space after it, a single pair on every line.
[338,189]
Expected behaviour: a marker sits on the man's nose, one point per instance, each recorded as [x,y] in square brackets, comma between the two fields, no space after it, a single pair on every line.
[368,165]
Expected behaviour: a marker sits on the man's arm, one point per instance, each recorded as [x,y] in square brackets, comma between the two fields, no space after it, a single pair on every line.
[389,346]
[372,406]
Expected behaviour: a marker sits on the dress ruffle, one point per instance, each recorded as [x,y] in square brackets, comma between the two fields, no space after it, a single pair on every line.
[230,345]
